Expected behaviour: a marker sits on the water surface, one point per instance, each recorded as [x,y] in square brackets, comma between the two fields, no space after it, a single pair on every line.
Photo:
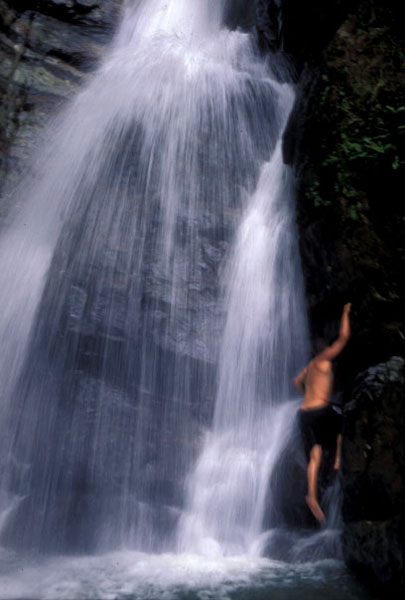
[129,575]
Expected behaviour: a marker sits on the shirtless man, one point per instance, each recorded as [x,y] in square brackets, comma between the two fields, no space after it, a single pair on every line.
[320,423]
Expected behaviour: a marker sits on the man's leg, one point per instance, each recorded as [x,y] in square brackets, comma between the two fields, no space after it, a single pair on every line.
[312,474]
[337,456]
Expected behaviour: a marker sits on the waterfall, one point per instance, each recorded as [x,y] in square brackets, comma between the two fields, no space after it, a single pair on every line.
[151,299]
[262,344]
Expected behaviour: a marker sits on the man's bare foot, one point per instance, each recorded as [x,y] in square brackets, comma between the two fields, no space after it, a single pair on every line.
[315,509]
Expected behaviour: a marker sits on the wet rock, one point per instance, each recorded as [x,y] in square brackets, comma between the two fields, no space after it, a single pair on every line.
[267,24]
[47,49]
[373,475]
[239,14]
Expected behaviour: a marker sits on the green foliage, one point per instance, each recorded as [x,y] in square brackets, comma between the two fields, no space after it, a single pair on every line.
[352,213]
[395,163]
[360,135]
[394,109]
[313,193]
[365,147]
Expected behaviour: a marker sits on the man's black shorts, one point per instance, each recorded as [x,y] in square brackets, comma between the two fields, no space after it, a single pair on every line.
[319,426]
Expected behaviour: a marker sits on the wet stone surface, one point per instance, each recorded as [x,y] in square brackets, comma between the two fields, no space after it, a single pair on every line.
[47,49]
[373,474]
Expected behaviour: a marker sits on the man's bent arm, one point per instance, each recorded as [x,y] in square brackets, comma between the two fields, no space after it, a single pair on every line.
[299,380]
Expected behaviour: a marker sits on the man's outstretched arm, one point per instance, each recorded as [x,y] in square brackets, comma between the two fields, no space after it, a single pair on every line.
[336,348]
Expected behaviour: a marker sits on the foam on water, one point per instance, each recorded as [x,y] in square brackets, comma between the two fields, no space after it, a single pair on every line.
[137,576]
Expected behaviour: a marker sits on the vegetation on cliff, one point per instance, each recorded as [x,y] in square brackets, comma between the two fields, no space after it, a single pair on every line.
[351,214]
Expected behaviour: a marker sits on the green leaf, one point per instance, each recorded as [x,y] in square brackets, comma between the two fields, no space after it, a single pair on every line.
[352,213]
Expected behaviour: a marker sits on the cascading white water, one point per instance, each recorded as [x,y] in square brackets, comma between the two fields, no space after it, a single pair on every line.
[264,340]
[162,184]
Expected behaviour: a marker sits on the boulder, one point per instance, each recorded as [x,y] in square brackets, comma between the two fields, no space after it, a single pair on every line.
[373,475]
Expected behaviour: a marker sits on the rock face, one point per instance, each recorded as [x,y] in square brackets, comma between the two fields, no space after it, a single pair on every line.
[346,139]
[47,48]
[373,475]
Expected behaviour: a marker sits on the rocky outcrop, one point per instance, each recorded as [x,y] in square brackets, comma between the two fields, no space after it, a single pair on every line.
[47,48]
[373,475]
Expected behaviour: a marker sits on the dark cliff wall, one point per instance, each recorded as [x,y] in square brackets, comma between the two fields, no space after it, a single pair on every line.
[47,48]
[346,140]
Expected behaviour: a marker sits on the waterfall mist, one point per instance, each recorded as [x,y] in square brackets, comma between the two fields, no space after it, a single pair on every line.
[152,313]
